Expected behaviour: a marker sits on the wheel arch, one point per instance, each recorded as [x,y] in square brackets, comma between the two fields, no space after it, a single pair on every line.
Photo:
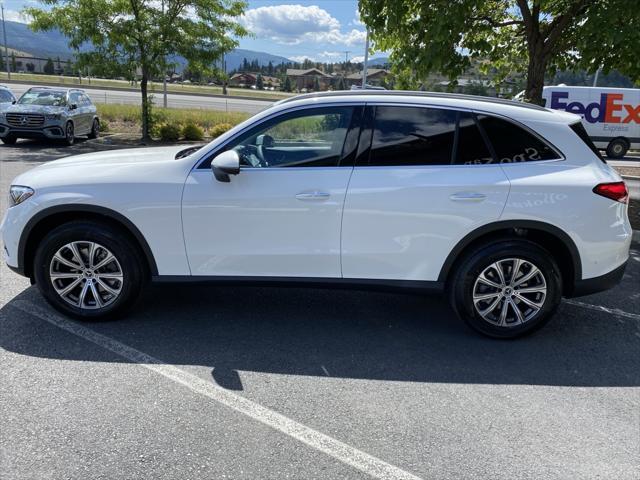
[41,223]
[550,237]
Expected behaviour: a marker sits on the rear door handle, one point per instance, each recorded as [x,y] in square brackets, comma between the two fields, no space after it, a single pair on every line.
[467,197]
[315,195]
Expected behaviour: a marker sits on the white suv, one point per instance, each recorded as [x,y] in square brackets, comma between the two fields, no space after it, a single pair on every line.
[505,206]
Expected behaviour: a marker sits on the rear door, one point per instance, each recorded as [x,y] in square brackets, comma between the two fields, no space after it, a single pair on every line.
[425,180]
[77,114]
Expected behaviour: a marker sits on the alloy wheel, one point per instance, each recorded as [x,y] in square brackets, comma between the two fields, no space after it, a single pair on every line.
[86,275]
[509,292]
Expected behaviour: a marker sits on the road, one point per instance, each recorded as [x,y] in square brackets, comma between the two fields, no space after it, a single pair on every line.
[205,382]
[174,100]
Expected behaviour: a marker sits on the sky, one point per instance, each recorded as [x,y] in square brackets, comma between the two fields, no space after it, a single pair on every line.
[321,30]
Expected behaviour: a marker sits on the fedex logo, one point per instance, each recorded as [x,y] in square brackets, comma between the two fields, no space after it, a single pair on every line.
[610,109]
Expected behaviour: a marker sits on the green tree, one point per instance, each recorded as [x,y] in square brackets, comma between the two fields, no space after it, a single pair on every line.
[316,84]
[287,84]
[259,82]
[134,38]
[532,36]
[48,67]
[31,67]
[14,65]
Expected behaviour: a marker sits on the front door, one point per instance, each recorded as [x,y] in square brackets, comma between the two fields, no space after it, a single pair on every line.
[281,215]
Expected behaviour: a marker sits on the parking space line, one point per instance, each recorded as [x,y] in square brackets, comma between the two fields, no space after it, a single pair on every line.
[600,308]
[343,452]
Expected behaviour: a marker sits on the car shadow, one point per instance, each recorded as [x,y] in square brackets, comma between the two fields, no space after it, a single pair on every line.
[341,334]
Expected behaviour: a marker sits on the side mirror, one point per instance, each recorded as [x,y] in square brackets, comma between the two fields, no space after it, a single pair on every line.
[73,106]
[225,164]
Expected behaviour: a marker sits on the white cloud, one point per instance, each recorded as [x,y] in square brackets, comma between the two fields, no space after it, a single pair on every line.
[15,16]
[294,24]
[357,20]
[357,59]
[301,58]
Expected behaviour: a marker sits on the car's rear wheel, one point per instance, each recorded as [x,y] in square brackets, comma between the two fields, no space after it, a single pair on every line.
[9,139]
[95,129]
[69,134]
[88,270]
[506,289]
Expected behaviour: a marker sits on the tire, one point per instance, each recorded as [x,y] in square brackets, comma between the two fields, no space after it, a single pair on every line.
[9,139]
[69,134]
[465,283]
[95,129]
[117,283]
[617,148]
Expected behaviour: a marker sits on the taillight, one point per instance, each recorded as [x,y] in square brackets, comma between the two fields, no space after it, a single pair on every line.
[615,191]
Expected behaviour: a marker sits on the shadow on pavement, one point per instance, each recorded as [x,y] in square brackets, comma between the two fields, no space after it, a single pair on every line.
[343,334]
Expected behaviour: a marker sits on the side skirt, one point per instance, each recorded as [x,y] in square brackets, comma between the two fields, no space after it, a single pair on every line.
[309,282]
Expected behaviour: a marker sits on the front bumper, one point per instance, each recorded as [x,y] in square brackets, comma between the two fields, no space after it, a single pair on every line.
[53,132]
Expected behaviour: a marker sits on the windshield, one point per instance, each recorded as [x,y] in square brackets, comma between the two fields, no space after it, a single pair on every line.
[5,96]
[51,98]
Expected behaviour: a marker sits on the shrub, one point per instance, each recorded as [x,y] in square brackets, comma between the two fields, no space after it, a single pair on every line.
[219,129]
[191,131]
[104,126]
[169,132]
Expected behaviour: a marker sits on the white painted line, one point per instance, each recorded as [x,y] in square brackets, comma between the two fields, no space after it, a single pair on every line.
[334,448]
[600,308]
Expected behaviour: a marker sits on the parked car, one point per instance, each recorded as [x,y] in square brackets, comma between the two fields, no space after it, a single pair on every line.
[506,207]
[53,113]
[610,116]
[6,96]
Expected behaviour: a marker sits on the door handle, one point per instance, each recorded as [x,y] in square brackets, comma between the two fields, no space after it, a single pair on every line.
[313,195]
[467,197]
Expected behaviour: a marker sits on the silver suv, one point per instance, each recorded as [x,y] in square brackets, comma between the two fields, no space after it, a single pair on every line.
[53,113]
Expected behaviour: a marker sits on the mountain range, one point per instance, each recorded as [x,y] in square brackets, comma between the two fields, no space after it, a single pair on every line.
[54,44]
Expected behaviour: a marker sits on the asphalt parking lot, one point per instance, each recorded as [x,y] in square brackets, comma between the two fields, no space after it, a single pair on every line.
[243,382]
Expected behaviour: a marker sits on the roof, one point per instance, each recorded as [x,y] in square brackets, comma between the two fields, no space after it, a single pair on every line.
[370,72]
[57,89]
[409,93]
[295,72]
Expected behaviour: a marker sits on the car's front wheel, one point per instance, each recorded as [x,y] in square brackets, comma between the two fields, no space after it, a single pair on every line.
[506,289]
[88,270]
[95,129]
[69,134]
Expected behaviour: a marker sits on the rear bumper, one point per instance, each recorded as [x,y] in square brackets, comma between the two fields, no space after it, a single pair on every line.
[598,284]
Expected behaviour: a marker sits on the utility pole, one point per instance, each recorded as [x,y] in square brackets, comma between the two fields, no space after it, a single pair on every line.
[346,56]
[224,75]
[6,50]
[164,73]
[366,59]
[595,79]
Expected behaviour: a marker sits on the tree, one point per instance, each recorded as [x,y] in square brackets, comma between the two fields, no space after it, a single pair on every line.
[316,84]
[31,67]
[48,67]
[14,65]
[287,84]
[536,36]
[259,82]
[134,38]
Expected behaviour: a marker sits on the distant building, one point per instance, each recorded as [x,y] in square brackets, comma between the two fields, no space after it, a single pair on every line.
[306,79]
[375,76]
[248,80]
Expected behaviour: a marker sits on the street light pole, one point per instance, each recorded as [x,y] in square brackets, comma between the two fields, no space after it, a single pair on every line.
[6,50]
[366,59]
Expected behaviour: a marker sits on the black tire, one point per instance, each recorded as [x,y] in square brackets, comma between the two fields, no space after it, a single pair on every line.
[125,251]
[465,280]
[9,139]
[617,148]
[95,129]
[69,134]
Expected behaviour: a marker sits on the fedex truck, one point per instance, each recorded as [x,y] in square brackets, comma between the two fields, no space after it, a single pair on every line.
[611,116]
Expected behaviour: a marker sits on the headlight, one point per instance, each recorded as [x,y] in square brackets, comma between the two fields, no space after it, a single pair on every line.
[52,116]
[18,194]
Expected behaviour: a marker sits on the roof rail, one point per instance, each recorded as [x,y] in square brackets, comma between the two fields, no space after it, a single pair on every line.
[404,93]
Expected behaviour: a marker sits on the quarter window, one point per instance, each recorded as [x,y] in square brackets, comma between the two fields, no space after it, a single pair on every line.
[472,149]
[412,136]
[512,144]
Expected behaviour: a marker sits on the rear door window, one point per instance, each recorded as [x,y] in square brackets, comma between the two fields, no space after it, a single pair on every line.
[412,136]
[513,144]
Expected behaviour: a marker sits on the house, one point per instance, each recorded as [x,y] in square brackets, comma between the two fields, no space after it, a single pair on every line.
[306,79]
[375,76]
[248,80]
